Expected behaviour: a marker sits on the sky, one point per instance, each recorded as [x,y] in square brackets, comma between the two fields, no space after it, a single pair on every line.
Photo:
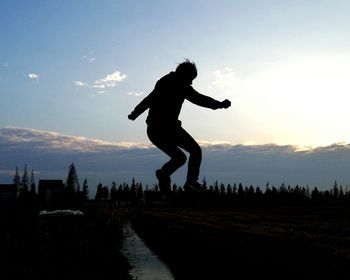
[49,154]
[78,68]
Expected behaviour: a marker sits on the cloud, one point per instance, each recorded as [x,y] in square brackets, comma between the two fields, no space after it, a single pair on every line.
[223,78]
[50,153]
[5,65]
[89,59]
[33,76]
[80,84]
[135,93]
[46,140]
[110,80]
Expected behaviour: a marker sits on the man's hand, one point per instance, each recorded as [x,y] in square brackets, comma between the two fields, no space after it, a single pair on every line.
[132,117]
[225,104]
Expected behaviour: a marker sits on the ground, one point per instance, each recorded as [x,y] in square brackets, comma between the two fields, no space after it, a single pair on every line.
[197,242]
[62,247]
[228,243]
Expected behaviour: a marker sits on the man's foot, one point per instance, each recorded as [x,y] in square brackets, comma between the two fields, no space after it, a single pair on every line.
[193,187]
[164,181]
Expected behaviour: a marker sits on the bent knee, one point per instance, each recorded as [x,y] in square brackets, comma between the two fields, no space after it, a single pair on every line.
[181,159]
[196,151]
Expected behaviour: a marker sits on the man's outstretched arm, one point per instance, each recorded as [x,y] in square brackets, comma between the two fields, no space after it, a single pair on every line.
[141,107]
[206,101]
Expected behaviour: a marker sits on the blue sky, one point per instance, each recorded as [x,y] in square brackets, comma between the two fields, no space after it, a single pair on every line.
[79,67]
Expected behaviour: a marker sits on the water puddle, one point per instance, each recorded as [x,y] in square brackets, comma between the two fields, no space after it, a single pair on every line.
[146,264]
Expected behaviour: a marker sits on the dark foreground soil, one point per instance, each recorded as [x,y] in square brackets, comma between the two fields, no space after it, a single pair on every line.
[241,242]
[238,242]
[62,247]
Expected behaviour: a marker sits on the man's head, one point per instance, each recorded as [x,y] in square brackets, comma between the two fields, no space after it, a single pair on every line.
[186,71]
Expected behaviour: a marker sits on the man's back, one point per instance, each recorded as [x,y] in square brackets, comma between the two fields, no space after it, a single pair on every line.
[166,100]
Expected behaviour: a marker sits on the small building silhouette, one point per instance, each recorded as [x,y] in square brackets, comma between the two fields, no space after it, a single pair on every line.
[8,195]
[50,193]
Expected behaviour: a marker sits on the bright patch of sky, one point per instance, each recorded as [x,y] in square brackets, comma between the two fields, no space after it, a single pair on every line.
[80,67]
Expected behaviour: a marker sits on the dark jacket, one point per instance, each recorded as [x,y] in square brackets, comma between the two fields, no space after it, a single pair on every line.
[166,99]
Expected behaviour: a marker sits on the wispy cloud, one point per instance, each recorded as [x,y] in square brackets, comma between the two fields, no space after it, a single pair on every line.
[33,76]
[80,84]
[222,161]
[89,59]
[135,93]
[109,81]
[5,65]
[223,78]
[46,140]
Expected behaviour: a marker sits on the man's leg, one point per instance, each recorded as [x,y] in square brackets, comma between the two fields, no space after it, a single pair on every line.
[185,141]
[166,140]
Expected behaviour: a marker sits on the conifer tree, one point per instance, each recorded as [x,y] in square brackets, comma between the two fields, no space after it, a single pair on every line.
[17,178]
[229,189]
[72,179]
[25,180]
[32,183]
[105,193]
[85,191]
[99,192]
[240,190]
[114,192]
[204,183]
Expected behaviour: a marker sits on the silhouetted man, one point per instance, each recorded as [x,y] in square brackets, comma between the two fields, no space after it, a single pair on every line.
[164,129]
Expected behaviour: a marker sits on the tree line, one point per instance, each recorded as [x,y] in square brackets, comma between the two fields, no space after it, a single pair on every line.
[136,194]
[220,194]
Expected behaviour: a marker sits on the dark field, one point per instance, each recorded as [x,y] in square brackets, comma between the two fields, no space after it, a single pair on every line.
[232,243]
[237,242]
[62,247]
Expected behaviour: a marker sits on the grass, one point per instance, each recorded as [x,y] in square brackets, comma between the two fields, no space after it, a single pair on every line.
[202,242]
[274,241]
[65,247]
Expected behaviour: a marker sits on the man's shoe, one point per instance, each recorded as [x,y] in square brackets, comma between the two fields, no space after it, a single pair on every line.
[193,187]
[164,181]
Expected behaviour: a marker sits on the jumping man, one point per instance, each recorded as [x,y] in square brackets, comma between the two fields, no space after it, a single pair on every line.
[165,130]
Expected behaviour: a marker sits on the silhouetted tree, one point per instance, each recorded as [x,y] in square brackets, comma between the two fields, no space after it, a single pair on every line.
[17,178]
[341,192]
[25,180]
[204,184]
[251,192]
[229,190]
[72,178]
[99,192]
[70,192]
[222,189]
[240,190]
[335,190]
[234,189]
[315,194]
[216,187]
[85,190]
[32,183]
[140,190]
[113,194]
[258,192]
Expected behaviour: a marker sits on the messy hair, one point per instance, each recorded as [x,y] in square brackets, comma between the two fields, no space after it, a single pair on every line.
[187,68]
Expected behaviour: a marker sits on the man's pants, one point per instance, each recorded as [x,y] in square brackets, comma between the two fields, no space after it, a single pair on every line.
[170,140]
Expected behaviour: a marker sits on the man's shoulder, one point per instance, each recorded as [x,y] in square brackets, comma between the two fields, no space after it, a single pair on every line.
[168,78]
